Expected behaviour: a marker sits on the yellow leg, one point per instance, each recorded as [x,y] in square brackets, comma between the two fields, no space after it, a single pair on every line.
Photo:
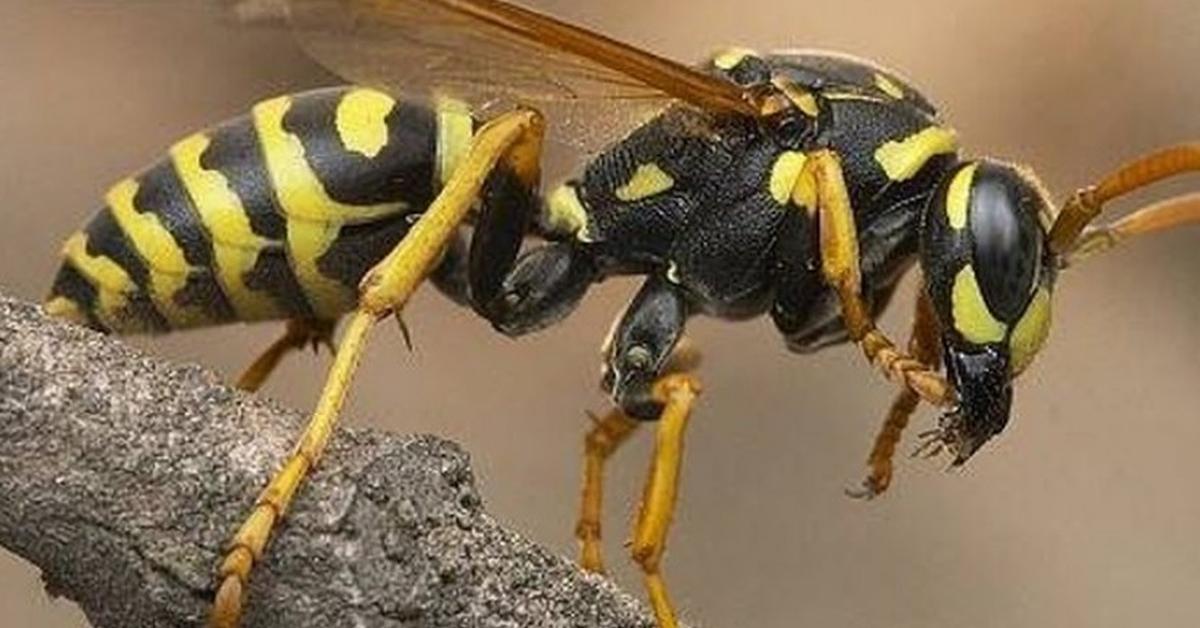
[602,440]
[514,137]
[678,394]
[839,258]
[300,333]
[924,346]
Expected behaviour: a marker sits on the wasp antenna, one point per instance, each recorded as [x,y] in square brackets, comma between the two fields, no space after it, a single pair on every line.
[1087,203]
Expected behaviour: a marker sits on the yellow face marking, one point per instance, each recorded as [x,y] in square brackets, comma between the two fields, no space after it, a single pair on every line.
[729,58]
[971,316]
[801,98]
[455,129]
[902,159]
[785,174]
[313,218]
[958,197]
[112,283]
[888,86]
[1030,332]
[565,214]
[235,245]
[647,180]
[362,121]
[154,243]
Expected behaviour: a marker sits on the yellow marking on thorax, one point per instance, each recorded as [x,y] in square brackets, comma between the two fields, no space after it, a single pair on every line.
[154,243]
[647,180]
[958,197]
[888,86]
[903,159]
[1031,331]
[856,96]
[972,318]
[113,284]
[235,245]
[565,213]
[729,58]
[785,174]
[455,128]
[362,121]
[800,97]
[313,218]
[673,273]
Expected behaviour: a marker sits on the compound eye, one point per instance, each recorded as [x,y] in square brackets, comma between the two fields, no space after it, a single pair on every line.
[1007,239]
[985,260]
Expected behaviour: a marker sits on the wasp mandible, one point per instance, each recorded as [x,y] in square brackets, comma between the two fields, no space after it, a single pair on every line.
[799,184]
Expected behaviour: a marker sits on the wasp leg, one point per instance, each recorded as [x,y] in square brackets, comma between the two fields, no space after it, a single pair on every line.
[646,341]
[1161,216]
[542,288]
[298,334]
[923,345]
[511,141]
[677,393]
[601,441]
[840,263]
[1086,204]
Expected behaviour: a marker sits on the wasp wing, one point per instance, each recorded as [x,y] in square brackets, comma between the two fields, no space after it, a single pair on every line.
[494,55]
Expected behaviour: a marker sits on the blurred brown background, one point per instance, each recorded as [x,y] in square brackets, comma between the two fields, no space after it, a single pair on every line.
[1084,513]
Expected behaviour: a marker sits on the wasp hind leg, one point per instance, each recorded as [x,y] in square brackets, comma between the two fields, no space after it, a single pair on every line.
[511,143]
[299,334]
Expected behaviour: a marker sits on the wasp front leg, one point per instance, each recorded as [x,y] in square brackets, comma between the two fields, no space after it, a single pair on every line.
[822,174]
[510,145]
[924,345]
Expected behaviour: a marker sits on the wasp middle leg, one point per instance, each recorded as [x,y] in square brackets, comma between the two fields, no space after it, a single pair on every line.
[647,373]
[297,335]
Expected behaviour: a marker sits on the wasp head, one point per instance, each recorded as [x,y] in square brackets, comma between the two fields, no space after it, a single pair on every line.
[989,275]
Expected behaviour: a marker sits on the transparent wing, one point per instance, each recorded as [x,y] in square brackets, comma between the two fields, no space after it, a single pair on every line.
[494,55]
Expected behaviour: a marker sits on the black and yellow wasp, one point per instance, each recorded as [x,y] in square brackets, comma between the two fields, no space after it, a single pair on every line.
[801,184]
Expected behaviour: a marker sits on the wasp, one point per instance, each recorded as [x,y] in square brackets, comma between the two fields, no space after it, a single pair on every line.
[799,184]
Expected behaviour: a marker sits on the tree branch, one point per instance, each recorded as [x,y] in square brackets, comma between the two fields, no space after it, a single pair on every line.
[122,476]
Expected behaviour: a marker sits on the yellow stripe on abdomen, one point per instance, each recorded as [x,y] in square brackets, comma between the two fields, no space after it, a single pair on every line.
[361,121]
[235,245]
[314,219]
[165,260]
[113,285]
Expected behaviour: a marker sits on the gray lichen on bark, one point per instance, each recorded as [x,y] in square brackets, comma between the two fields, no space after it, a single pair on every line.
[122,476]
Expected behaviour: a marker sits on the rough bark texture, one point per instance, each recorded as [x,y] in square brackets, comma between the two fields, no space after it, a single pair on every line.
[121,476]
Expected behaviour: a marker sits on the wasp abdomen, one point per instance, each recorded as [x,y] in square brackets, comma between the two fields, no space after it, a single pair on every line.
[276,214]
